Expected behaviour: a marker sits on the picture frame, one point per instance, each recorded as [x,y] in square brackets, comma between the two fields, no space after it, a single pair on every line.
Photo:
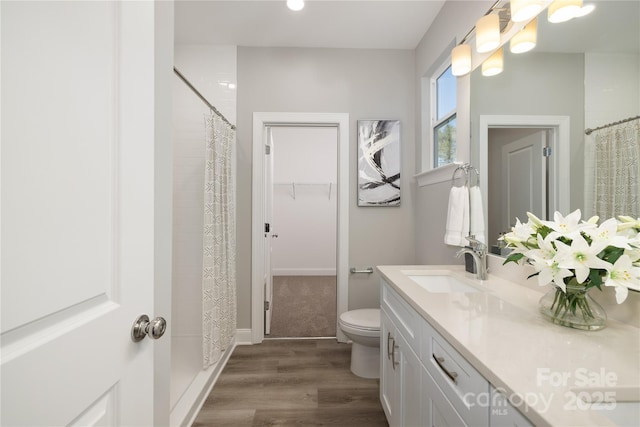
[379,163]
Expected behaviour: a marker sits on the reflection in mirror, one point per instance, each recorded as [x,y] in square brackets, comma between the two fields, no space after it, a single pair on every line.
[586,69]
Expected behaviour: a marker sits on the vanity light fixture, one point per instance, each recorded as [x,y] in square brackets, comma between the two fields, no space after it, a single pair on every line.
[585,10]
[494,64]
[563,10]
[295,5]
[525,39]
[523,10]
[461,60]
[488,33]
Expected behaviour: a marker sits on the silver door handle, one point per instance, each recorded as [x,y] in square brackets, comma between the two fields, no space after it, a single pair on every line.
[143,327]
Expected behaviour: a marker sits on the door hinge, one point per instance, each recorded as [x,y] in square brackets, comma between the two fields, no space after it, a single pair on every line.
[267,227]
[546,151]
[267,149]
[266,305]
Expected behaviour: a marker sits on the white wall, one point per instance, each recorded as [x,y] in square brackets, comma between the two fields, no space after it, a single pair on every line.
[204,66]
[366,84]
[306,225]
[453,22]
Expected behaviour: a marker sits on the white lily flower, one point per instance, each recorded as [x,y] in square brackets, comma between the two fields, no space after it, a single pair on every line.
[520,235]
[534,220]
[568,226]
[593,220]
[571,248]
[581,257]
[628,222]
[545,251]
[607,233]
[552,272]
[623,276]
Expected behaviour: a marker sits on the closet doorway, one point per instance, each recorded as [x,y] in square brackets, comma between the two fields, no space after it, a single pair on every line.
[301,209]
[263,191]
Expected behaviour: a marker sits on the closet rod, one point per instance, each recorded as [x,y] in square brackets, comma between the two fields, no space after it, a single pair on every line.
[588,130]
[214,109]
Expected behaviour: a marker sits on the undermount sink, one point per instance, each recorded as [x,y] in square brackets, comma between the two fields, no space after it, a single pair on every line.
[438,282]
[621,405]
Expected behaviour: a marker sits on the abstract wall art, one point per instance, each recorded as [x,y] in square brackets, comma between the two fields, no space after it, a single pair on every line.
[378,163]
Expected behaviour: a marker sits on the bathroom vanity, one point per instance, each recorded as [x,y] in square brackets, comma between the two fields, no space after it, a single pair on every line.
[459,351]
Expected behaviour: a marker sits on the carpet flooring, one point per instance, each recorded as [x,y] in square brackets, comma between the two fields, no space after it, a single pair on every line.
[303,306]
[292,383]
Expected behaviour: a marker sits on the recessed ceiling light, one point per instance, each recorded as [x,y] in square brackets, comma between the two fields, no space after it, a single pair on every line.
[295,4]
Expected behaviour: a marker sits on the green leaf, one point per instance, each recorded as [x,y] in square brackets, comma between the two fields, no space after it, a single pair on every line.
[611,254]
[513,258]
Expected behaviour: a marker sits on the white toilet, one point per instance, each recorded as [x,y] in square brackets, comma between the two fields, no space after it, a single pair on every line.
[363,328]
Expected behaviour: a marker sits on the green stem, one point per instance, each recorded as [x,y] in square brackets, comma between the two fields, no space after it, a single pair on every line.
[571,302]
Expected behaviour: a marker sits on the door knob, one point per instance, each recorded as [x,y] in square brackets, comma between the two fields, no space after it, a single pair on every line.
[143,327]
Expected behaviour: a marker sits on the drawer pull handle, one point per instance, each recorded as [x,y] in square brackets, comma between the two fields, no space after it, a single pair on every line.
[389,342]
[452,375]
[393,355]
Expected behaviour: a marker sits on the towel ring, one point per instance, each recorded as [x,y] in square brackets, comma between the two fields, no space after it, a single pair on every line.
[466,168]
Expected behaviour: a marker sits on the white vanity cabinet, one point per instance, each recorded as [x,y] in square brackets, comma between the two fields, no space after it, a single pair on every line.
[400,367]
[425,381]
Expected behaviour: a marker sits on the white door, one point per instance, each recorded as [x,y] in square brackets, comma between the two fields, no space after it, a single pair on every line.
[523,179]
[269,232]
[86,208]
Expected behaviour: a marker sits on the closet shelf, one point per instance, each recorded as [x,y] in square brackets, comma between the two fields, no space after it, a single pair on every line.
[293,186]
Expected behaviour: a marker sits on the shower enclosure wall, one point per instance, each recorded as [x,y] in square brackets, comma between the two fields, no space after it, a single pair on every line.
[212,70]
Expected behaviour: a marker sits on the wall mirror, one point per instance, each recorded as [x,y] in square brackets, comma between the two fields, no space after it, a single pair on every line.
[586,70]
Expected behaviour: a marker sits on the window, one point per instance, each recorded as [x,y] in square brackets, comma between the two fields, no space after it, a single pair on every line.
[443,117]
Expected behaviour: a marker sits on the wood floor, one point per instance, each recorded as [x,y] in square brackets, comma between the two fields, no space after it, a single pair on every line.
[292,383]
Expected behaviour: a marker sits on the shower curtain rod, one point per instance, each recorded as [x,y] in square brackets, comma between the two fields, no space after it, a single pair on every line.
[214,109]
[588,130]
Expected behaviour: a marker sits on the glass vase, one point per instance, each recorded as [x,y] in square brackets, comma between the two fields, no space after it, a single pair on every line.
[573,309]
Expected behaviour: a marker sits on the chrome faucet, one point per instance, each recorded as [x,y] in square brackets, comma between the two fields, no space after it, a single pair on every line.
[478,251]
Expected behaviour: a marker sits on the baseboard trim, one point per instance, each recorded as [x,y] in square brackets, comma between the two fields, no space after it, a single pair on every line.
[243,337]
[186,410]
[304,272]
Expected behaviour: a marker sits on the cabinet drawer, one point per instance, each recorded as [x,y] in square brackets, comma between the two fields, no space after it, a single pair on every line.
[466,388]
[403,316]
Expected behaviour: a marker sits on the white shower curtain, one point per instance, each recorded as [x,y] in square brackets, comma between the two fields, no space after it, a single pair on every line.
[616,156]
[219,242]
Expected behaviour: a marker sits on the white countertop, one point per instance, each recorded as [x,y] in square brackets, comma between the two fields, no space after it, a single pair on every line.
[500,332]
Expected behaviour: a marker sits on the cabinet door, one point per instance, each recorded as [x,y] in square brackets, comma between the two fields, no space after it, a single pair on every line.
[437,411]
[389,377]
[503,414]
[410,388]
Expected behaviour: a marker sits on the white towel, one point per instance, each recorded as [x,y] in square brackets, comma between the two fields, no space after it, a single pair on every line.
[457,217]
[476,213]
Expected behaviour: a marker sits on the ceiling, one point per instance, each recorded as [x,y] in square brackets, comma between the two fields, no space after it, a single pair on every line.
[362,24]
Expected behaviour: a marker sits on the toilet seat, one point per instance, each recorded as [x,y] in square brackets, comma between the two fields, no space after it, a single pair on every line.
[365,319]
